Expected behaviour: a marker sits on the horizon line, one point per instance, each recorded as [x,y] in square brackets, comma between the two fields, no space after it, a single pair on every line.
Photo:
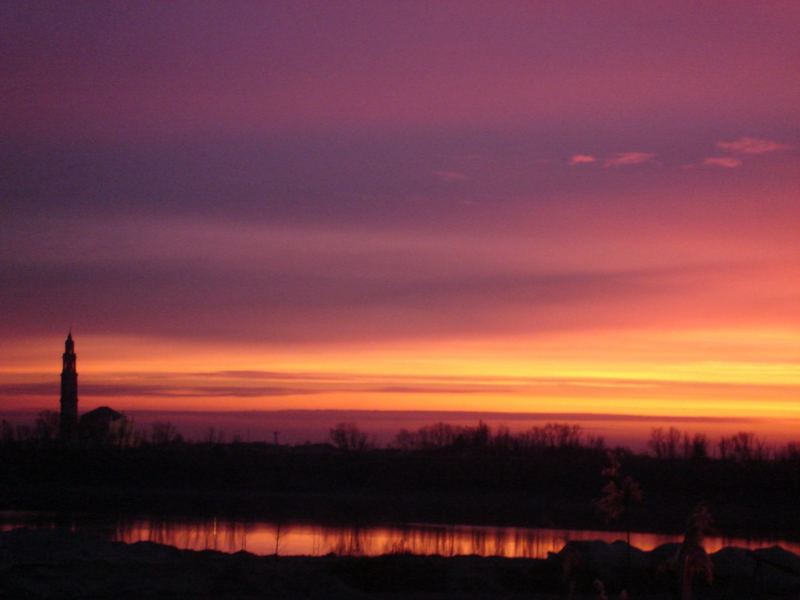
[519,416]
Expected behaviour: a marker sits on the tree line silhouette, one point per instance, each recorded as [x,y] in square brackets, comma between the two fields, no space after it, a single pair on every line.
[554,474]
[664,443]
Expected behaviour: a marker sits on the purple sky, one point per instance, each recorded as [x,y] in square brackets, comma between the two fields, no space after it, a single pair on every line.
[302,176]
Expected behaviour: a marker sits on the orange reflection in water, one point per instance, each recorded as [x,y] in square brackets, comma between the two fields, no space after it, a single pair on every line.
[421,539]
[298,539]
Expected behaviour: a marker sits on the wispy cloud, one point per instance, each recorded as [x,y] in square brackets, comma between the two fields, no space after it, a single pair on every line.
[624,159]
[582,159]
[450,176]
[117,389]
[750,145]
[728,162]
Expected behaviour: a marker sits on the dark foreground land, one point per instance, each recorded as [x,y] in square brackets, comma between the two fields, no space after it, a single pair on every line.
[57,564]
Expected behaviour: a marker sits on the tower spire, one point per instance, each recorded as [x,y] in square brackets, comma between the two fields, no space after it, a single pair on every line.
[69,390]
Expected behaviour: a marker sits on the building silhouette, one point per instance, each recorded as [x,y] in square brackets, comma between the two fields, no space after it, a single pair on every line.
[95,426]
[102,425]
[68,422]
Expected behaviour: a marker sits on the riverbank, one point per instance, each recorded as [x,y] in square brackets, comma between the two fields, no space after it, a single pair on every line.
[48,564]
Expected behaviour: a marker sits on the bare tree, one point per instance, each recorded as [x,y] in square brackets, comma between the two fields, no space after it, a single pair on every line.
[214,436]
[791,452]
[478,437]
[6,432]
[665,444]
[348,437]
[438,435]
[696,448]
[554,435]
[122,433]
[620,494]
[46,426]
[163,433]
[743,447]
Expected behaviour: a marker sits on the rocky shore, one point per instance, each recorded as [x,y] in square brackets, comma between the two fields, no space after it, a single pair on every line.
[51,564]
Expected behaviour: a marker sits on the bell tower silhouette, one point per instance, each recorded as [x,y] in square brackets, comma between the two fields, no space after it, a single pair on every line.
[69,391]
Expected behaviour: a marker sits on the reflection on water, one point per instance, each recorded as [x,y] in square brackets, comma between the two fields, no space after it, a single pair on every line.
[316,540]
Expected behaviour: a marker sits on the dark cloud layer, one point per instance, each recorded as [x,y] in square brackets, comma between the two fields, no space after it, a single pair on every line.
[296,384]
[189,299]
[112,390]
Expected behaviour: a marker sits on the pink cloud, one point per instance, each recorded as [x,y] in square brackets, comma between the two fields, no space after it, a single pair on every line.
[749,145]
[624,159]
[450,176]
[727,162]
[582,159]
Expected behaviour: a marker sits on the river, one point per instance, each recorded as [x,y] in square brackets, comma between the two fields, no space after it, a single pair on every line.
[314,539]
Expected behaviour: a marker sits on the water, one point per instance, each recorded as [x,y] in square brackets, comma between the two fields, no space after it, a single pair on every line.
[288,539]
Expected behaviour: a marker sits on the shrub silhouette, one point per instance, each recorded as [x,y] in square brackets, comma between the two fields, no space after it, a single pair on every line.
[693,561]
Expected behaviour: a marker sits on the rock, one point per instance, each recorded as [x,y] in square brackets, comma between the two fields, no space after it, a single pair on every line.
[779,558]
[777,570]
[590,560]
[733,564]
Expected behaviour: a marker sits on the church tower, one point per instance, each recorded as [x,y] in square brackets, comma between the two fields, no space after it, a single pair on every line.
[69,391]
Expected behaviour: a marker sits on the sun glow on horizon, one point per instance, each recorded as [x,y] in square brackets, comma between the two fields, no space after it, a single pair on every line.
[627,373]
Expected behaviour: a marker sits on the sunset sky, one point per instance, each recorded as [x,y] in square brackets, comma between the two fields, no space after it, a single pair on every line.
[549,207]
